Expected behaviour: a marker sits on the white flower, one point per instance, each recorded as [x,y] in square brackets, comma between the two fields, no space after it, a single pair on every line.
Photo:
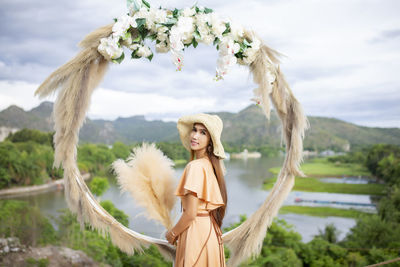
[127,42]
[237,30]
[208,39]
[228,46]
[144,51]
[185,24]
[154,16]
[175,38]
[122,25]
[187,38]
[109,48]
[133,47]
[226,61]
[202,19]
[188,12]
[143,13]
[160,15]
[162,47]
[162,36]
[217,25]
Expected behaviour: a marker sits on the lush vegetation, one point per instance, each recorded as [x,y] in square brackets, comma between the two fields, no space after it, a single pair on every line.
[322,211]
[26,157]
[315,185]
[374,238]
[330,167]
[347,165]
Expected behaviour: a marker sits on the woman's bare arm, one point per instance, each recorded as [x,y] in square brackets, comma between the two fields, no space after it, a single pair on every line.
[190,202]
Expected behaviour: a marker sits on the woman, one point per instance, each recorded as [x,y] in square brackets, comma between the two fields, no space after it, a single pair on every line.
[203,194]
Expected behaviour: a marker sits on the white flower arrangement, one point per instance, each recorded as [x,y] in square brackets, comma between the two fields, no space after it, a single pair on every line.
[173,30]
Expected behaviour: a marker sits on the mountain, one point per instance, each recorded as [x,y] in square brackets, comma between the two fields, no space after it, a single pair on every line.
[248,126]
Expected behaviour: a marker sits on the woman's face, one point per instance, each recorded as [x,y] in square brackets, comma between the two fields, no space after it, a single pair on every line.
[199,137]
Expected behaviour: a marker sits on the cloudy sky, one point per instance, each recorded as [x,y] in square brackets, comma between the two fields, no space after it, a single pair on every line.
[342,58]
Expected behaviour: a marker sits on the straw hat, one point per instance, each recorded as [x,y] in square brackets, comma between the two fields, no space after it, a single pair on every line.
[213,124]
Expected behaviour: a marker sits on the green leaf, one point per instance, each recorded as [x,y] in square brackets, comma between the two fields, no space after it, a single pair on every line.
[176,13]
[140,22]
[136,5]
[242,47]
[196,34]
[197,9]
[133,55]
[119,60]
[137,39]
[246,42]
[153,36]
[127,35]
[239,55]
[194,42]
[170,22]
[146,3]
[143,32]
[115,19]
[216,41]
[228,28]
[207,10]
[150,57]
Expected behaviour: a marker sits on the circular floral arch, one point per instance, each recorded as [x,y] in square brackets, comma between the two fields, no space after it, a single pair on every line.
[172,31]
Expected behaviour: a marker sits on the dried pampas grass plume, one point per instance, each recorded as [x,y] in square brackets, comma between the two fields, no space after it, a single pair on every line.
[148,177]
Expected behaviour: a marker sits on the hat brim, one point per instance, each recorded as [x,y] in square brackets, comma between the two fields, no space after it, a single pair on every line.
[213,124]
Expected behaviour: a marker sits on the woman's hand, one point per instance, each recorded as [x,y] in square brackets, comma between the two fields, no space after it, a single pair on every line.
[171,237]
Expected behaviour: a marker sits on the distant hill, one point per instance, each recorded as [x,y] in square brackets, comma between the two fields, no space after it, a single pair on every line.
[248,126]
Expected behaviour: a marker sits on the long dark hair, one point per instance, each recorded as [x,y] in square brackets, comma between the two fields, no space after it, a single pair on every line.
[218,213]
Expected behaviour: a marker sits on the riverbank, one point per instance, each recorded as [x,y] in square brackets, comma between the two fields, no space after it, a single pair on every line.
[320,168]
[323,211]
[315,185]
[36,189]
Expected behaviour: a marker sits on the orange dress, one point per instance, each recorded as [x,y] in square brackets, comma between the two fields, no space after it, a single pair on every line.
[200,244]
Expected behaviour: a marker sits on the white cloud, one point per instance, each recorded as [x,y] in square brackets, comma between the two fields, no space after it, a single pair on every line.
[110,104]
[19,93]
[342,56]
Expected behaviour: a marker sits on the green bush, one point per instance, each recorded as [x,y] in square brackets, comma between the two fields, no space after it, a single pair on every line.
[98,185]
[20,219]
[26,163]
[36,136]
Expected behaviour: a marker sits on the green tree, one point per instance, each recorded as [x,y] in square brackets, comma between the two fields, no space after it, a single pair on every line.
[376,153]
[20,219]
[36,136]
[371,231]
[99,185]
[120,150]
[330,233]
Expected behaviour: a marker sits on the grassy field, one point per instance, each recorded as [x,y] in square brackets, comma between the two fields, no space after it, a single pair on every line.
[322,211]
[315,185]
[322,167]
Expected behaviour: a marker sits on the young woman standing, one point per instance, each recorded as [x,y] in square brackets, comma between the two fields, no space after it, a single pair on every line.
[202,190]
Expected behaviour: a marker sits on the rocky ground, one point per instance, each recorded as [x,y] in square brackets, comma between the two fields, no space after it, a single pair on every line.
[12,253]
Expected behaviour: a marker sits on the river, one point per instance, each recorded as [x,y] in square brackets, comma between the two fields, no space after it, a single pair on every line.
[244,180]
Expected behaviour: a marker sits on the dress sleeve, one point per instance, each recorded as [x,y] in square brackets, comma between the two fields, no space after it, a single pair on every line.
[196,178]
